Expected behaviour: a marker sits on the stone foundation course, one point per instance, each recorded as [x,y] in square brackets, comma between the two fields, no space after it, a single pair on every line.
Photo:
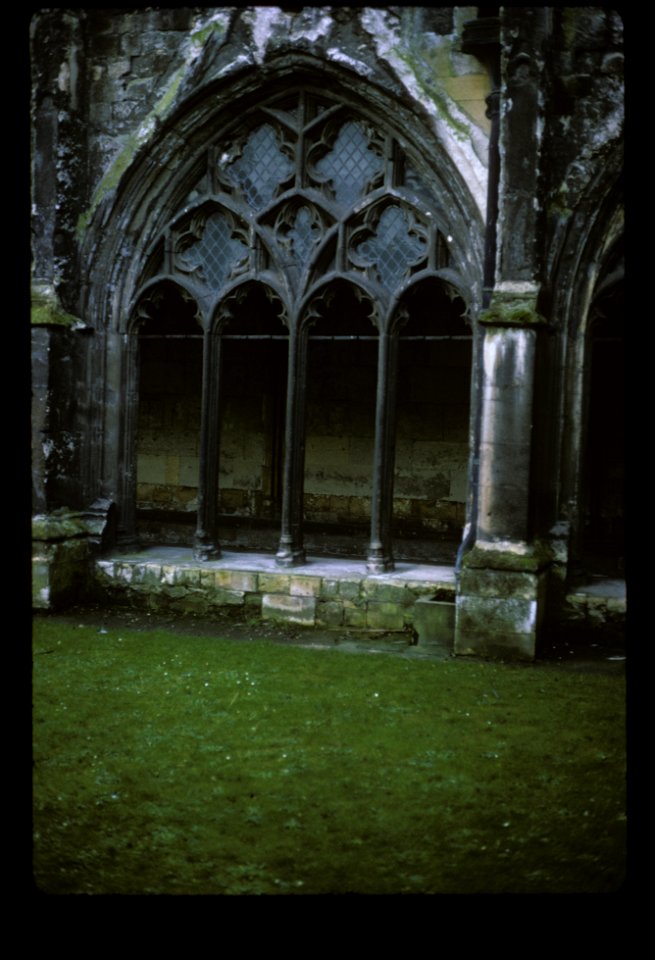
[321,593]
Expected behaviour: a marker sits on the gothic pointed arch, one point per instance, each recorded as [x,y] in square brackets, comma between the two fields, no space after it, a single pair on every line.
[587,309]
[275,199]
[328,149]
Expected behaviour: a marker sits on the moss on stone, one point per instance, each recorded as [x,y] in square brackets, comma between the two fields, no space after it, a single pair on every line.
[47,311]
[513,305]
[558,207]
[65,524]
[532,562]
[57,528]
[117,169]
[513,313]
[47,314]
[108,183]
[569,26]
[428,90]
[200,37]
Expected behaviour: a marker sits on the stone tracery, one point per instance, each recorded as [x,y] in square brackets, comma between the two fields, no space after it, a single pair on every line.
[303,191]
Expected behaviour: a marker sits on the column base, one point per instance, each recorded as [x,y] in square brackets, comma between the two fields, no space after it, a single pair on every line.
[379,562]
[500,604]
[288,556]
[206,551]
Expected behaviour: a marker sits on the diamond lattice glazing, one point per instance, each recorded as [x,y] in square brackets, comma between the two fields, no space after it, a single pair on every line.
[350,164]
[393,248]
[261,168]
[216,254]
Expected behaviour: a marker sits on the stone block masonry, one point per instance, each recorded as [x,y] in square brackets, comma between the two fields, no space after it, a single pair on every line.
[322,593]
[234,332]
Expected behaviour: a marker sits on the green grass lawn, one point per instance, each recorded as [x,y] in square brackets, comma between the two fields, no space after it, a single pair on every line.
[173,764]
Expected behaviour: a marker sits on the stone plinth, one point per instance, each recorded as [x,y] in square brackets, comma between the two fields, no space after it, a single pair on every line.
[500,604]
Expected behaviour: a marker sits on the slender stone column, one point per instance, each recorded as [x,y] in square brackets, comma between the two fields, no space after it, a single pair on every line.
[291,551]
[206,545]
[380,553]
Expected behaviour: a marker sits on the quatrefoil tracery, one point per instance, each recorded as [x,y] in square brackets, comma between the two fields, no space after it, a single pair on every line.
[390,243]
[213,248]
[259,167]
[309,188]
[347,160]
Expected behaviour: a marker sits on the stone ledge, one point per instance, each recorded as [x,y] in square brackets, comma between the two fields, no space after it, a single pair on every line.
[274,583]
[434,622]
[237,580]
[386,592]
[47,310]
[329,613]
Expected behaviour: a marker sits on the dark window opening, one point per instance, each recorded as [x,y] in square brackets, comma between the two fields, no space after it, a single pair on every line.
[340,425]
[432,425]
[252,423]
[170,379]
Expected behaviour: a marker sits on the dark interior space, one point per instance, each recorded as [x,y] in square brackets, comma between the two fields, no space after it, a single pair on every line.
[168,431]
[604,530]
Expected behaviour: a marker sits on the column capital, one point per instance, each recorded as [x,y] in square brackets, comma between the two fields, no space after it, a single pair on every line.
[513,304]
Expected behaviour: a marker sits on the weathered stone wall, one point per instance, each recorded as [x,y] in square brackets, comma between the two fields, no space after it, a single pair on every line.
[584,108]
[432,436]
[60,416]
[121,98]
[135,64]
[581,249]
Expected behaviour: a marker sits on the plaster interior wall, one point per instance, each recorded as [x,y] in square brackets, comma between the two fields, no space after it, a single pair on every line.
[253,379]
[340,426]
[168,428]
[433,412]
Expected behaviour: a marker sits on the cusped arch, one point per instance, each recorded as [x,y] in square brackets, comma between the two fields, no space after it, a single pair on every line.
[581,243]
[447,280]
[236,190]
[233,298]
[318,301]
[148,198]
[153,298]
